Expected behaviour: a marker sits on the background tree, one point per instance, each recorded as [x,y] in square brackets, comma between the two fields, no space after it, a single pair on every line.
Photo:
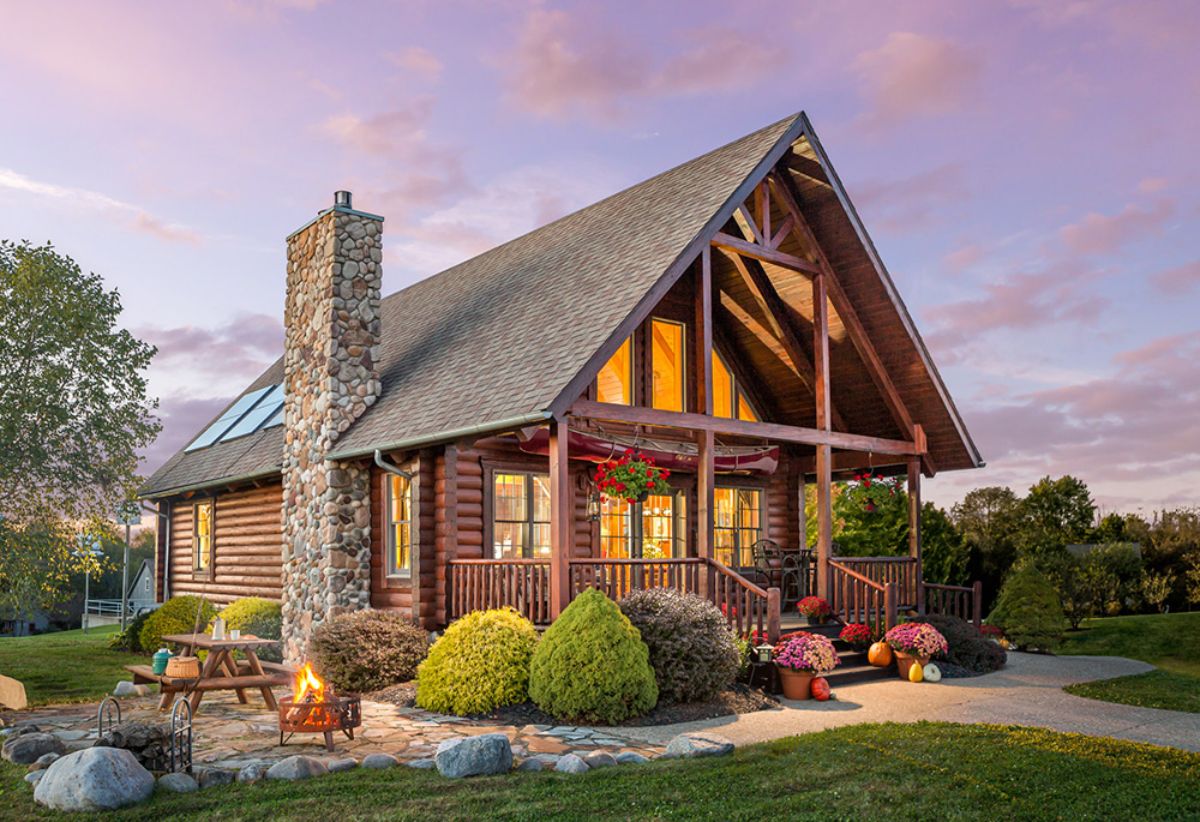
[944,553]
[74,411]
[1054,514]
[1029,610]
[987,519]
[1156,588]
[1192,578]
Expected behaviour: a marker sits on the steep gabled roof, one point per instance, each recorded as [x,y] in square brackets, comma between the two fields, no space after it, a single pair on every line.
[499,339]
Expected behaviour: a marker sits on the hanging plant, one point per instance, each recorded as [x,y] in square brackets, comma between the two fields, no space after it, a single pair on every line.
[633,477]
[872,487]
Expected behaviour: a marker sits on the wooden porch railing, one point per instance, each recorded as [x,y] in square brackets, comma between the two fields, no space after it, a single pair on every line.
[478,584]
[617,577]
[750,610]
[955,600]
[900,571]
[856,597]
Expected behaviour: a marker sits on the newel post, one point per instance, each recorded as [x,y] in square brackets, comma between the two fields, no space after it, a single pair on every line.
[889,605]
[977,604]
[774,601]
[561,518]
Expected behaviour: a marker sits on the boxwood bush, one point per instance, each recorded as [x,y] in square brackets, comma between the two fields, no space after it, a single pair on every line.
[261,617]
[591,665]
[367,650]
[1029,610]
[692,650]
[481,663]
[178,615]
[967,647]
[131,638]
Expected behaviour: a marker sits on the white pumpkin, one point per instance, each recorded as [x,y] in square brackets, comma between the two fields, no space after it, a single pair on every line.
[932,673]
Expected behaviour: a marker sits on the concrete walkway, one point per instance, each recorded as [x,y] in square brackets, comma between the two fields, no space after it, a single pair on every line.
[1028,691]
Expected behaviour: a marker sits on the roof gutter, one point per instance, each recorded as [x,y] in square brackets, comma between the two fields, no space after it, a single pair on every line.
[446,436]
[200,486]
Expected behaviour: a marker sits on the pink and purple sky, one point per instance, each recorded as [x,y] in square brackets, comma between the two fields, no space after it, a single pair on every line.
[1029,172]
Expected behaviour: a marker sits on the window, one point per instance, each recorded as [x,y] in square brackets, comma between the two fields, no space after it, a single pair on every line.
[727,394]
[400,520]
[615,382]
[737,524]
[653,529]
[202,536]
[667,364]
[520,515]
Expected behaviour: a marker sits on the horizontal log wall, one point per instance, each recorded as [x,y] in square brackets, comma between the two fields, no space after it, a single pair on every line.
[247,546]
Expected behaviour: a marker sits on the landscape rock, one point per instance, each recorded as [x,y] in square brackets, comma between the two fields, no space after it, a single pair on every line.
[379,761]
[600,759]
[12,694]
[571,763]
[34,776]
[27,746]
[347,764]
[531,765]
[297,767]
[423,764]
[698,744]
[125,688]
[94,779]
[630,758]
[178,783]
[43,761]
[474,755]
[214,777]
[253,771]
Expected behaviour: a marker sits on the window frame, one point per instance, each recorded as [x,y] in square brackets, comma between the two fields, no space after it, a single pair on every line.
[391,570]
[683,362]
[197,569]
[737,528]
[737,392]
[530,523]
[631,376]
[636,524]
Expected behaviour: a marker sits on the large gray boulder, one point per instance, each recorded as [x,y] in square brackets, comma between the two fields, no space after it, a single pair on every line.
[94,779]
[253,771]
[600,759]
[178,783]
[27,748]
[474,755]
[297,767]
[698,744]
[571,763]
[630,758]
[379,761]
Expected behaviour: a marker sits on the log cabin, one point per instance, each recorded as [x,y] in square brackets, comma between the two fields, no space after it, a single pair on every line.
[433,451]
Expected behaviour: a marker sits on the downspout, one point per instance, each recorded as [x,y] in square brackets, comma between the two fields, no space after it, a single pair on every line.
[166,569]
[391,469]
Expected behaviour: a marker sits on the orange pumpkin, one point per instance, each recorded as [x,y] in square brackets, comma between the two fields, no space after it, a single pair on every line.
[820,689]
[880,655]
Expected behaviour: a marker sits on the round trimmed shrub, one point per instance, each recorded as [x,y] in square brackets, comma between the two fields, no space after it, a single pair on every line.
[967,647]
[692,651]
[367,650]
[1029,610]
[591,665]
[175,616]
[259,617]
[131,638]
[481,663]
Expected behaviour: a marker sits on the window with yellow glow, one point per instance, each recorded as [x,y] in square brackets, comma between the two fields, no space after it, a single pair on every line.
[737,525]
[615,382]
[520,515]
[745,412]
[667,363]
[727,393]
[400,522]
[653,529]
[202,536]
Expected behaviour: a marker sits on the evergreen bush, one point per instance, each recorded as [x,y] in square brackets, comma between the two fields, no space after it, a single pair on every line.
[1029,610]
[178,615]
[481,663]
[592,666]
[692,650]
[367,650]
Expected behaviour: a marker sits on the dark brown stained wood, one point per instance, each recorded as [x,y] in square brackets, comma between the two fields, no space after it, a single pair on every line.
[824,453]
[784,231]
[561,520]
[446,534]
[703,334]
[914,520]
[705,482]
[763,253]
[806,166]
[748,221]
[764,213]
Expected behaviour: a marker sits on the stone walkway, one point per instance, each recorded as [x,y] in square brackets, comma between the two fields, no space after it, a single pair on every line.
[1028,691]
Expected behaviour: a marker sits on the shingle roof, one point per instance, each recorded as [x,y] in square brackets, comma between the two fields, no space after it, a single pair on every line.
[502,334]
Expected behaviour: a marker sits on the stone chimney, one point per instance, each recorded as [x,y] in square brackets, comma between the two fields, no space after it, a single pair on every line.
[331,320]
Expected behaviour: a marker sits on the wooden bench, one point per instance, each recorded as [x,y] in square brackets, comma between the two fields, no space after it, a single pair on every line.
[144,674]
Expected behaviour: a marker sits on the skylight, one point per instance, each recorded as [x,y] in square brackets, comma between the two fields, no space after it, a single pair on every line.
[262,408]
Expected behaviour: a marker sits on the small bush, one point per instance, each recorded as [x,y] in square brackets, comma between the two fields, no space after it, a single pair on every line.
[131,638]
[260,617]
[1029,610]
[175,616]
[479,664]
[968,648]
[693,652]
[367,650]
[591,665]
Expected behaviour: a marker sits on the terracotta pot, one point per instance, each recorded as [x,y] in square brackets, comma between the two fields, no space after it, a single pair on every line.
[816,620]
[905,661]
[796,684]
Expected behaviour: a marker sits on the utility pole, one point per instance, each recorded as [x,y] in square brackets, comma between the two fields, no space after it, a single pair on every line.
[129,514]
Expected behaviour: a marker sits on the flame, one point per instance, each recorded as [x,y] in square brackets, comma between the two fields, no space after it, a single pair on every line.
[309,686]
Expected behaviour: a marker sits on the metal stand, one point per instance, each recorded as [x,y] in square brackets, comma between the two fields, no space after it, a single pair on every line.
[180,754]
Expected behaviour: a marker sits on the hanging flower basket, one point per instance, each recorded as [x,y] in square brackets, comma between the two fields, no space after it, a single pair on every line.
[633,477]
[871,488]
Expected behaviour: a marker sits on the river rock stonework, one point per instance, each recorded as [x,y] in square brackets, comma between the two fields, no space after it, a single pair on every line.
[331,317]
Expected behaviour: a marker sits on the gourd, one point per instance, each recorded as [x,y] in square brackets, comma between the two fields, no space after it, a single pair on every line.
[915,672]
[820,689]
[880,655]
[932,673]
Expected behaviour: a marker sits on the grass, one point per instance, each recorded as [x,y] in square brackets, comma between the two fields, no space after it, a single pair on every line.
[1169,641]
[922,771]
[69,666]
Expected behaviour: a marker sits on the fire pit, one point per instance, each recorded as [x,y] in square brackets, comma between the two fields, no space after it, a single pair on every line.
[315,709]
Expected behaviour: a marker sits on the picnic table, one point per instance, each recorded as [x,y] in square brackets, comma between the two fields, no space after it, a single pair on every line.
[220,671]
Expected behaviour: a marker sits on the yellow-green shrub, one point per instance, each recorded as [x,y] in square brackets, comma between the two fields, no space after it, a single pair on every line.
[591,665]
[479,664]
[256,616]
[175,616]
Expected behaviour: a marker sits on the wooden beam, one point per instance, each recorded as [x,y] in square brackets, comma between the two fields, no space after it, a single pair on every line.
[764,212]
[562,519]
[789,222]
[748,221]
[807,166]
[821,386]
[703,322]
[824,519]
[844,462]
[763,253]
[914,524]
[640,415]
[705,482]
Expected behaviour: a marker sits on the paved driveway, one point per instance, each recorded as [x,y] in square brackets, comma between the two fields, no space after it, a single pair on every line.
[1027,692]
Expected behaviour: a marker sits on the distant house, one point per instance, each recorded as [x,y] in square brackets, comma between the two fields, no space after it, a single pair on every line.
[141,588]
[434,451]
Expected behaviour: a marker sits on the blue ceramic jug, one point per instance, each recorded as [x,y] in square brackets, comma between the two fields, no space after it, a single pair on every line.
[159,663]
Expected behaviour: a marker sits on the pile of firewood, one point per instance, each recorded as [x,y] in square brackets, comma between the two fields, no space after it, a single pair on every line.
[148,741]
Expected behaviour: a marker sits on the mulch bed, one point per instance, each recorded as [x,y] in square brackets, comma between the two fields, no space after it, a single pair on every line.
[739,699]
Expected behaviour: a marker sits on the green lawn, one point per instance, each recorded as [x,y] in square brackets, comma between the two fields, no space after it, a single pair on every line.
[69,666]
[1169,641]
[922,771]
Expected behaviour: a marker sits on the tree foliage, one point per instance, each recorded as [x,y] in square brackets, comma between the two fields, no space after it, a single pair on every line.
[1054,514]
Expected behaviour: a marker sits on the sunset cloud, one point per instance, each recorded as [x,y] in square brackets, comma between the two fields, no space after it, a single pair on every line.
[913,75]
[913,201]
[1178,280]
[1104,233]
[418,60]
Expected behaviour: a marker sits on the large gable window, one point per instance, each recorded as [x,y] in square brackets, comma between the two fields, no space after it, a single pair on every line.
[615,382]
[400,522]
[667,362]
[520,515]
[202,536]
[728,399]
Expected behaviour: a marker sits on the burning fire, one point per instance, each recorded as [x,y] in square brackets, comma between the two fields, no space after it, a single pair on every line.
[309,687]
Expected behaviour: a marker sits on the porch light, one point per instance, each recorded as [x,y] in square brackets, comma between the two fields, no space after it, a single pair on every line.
[764,652]
[593,506]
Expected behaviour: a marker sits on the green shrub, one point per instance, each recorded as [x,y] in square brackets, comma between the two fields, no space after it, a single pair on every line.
[260,617]
[479,664]
[178,615]
[131,638]
[591,665]
[967,647]
[367,650]
[693,652]
[1028,610]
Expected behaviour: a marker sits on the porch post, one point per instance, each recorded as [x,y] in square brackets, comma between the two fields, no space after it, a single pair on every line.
[914,528]
[705,480]
[820,302]
[705,471]
[561,518]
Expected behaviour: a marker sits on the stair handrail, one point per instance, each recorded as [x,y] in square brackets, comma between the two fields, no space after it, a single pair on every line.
[771,595]
[886,590]
[975,591]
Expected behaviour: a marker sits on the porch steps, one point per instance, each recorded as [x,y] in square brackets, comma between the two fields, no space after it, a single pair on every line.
[854,667]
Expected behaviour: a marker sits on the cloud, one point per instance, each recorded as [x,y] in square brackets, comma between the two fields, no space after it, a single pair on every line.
[239,350]
[130,216]
[1104,233]
[400,131]
[182,418]
[1178,280]
[907,203]
[419,61]
[913,75]
[962,258]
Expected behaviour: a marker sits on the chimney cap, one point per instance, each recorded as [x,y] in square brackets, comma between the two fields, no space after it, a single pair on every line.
[342,199]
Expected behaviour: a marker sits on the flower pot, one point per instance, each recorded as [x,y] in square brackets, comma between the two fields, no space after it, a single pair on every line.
[795,684]
[815,620]
[905,661]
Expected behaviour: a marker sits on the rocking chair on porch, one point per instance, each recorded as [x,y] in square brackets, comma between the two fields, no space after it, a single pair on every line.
[788,571]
